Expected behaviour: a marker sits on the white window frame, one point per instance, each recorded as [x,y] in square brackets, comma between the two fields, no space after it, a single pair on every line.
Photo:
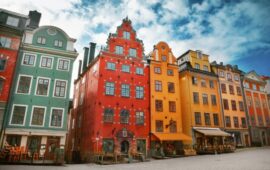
[34,60]
[13,106]
[17,86]
[11,20]
[48,86]
[43,56]
[58,64]
[44,116]
[139,73]
[117,49]
[126,35]
[55,80]
[58,43]
[59,108]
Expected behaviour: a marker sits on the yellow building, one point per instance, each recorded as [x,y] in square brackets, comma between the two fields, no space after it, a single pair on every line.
[200,103]
[166,118]
[233,102]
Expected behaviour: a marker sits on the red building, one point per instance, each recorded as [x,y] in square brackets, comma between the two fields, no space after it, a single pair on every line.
[111,99]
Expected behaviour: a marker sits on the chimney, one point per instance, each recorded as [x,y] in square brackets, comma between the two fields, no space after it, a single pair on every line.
[80,68]
[34,17]
[92,52]
[85,57]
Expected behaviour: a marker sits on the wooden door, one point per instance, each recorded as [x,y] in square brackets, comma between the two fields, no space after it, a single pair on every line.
[53,143]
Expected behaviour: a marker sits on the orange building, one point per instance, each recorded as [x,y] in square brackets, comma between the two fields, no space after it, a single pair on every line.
[233,102]
[257,108]
[166,117]
[200,104]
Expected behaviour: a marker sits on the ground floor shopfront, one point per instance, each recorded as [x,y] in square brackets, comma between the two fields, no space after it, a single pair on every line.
[34,145]
[260,136]
[241,137]
[212,140]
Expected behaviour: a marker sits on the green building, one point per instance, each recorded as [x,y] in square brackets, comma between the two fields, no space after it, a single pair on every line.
[36,116]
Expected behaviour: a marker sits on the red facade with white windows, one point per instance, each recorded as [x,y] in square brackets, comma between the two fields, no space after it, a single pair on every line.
[111,100]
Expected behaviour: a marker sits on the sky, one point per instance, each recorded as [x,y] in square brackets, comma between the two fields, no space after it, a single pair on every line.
[229,31]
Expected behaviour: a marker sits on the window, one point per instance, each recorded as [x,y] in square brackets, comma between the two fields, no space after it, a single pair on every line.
[164,58]
[1,84]
[12,21]
[260,120]
[109,88]
[41,40]
[139,118]
[196,98]
[158,85]
[110,66]
[223,88]
[132,52]
[238,90]
[198,118]
[261,88]
[159,126]
[60,88]
[14,140]
[24,84]
[58,43]
[199,54]
[42,86]
[231,89]
[124,116]
[3,62]
[205,98]
[157,70]
[211,84]
[171,87]
[203,83]
[236,77]
[257,102]
[228,121]
[226,104]
[221,74]
[126,35]
[125,90]
[125,68]
[29,59]
[172,106]
[173,126]
[5,42]
[233,105]
[46,62]
[170,72]
[254,87]
[139,71]
[207,119]
[63,64]
[108,115]
[18,115]
[108,145]
[119,50]
[38,114]
[235,121]
[215,117]
[241,106]
[139,92]
[197,66]
[244,124]
[205,68]
[213,99]
[229,77]
[56,117]
[194,80]
[159,105]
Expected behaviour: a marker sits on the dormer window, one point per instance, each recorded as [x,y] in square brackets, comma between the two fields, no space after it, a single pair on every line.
[12,21]
[58,43]
[199,54]
[41,40]
[126,35]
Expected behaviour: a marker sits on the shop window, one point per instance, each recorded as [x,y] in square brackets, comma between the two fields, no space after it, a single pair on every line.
[108,145]
[14,140]
[34,143]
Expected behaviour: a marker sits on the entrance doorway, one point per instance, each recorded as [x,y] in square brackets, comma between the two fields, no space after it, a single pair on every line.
[263,138]
[52,144]
[124,147]
[246,141]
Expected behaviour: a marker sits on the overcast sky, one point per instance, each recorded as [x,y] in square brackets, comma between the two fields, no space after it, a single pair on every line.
[231,31]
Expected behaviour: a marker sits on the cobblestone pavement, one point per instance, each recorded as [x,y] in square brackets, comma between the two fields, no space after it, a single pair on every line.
[242,159]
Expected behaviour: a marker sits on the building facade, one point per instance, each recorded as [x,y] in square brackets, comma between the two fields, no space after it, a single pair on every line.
[257,108]
[111,99]
[12,26]
[233,102]
[166,115]
[200,102]
[38,107]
